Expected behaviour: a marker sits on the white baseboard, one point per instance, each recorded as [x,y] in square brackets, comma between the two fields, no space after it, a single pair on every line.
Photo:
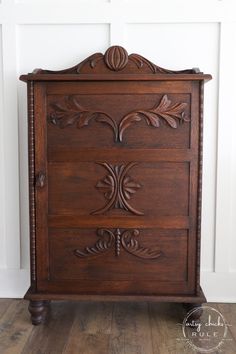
[218,287]
[14,282]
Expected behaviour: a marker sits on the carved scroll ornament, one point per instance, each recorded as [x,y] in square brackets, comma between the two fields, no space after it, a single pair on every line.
[71,113]
[117,239]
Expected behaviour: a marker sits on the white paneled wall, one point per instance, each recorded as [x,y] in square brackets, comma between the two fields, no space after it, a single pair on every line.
[175,34]
[2,197]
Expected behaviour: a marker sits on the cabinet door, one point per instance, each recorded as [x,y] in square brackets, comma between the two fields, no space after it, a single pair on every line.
[116,187]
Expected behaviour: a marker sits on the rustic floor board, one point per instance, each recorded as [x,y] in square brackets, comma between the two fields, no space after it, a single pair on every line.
[166,327]
[130,329]
[14,327]
[4,304]
[91,329]
[229,313]
[102,328]
[51,337]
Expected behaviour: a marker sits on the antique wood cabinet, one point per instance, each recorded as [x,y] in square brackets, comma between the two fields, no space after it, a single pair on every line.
[115,156]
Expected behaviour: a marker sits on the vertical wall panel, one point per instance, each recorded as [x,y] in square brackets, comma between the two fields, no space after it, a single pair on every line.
[58,46]
[177,45]
[2,174]
[226,168]
[232,239]
[11,147]
[58,2]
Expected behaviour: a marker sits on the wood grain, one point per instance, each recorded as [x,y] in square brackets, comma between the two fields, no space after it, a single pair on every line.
[103,328]
[229,312]
[14,328]
[130,329]
[4,304]
[51,337]
[82,137]
[91,329]
[165,321]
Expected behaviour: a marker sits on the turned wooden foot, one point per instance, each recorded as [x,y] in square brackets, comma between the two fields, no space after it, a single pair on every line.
[196,310]
[38,311]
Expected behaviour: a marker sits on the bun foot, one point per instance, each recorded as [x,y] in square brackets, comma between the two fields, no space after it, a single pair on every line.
[38,311]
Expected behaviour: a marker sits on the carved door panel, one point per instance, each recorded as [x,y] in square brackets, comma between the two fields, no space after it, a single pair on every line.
[116,167]
[116,259]
[119,115]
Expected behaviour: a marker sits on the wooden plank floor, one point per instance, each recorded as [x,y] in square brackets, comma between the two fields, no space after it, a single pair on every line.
[102,328]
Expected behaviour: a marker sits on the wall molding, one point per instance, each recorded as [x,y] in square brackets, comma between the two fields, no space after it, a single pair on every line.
[14,282]
[134,12]
[219,287]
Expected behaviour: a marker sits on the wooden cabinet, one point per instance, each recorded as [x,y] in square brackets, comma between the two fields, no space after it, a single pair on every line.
[115,156]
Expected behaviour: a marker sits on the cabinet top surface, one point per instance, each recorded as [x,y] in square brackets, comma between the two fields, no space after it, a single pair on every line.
[114,65]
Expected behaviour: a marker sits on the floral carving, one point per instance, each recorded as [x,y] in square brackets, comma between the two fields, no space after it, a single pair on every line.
[104,244]
[126,240]
[170,113]
[118,188]
[72,113]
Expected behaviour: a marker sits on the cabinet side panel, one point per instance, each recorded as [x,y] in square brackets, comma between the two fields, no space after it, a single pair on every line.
[41,185]
[200,158]
[31,159]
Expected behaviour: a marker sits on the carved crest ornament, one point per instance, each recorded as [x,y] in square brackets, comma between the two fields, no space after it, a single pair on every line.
[116,59]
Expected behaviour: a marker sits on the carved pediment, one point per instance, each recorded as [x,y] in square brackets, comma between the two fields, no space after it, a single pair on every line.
[116,60]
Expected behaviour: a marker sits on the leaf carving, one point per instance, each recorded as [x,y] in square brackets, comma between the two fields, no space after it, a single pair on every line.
[164,110]
[72,113]
[104,244]
[104,118]
[84,119]
[108,239]
[127,121]
[151,118]
[132,246]
[163,105]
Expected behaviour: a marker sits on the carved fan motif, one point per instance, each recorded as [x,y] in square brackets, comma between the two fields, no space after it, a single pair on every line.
[72,113]
[126,239]
[118,188]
